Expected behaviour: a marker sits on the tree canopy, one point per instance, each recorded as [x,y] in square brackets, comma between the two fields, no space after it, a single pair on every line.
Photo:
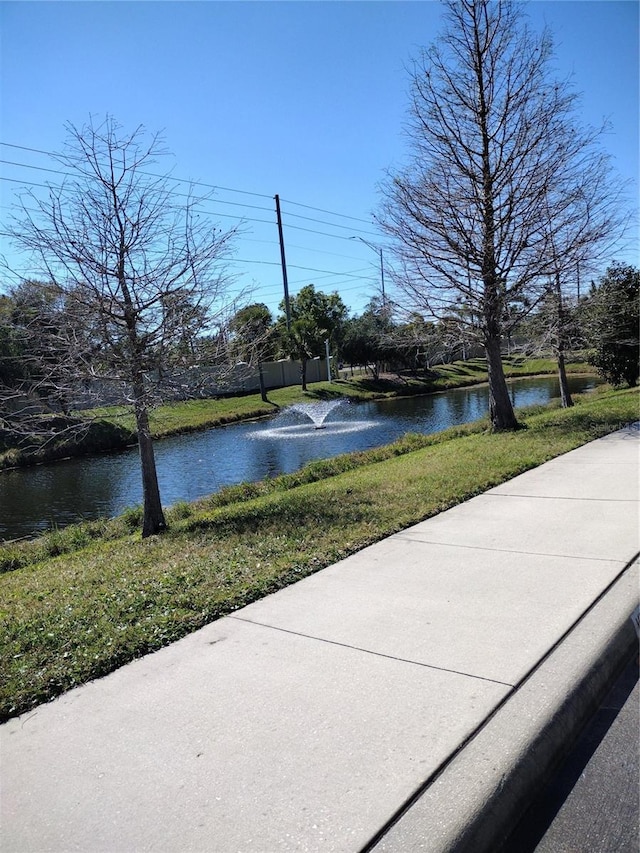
[137,273]
[499,168]
[316,317]
[252,335]
[613,324]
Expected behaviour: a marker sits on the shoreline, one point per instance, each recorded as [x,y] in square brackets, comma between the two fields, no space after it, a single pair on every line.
[46,456]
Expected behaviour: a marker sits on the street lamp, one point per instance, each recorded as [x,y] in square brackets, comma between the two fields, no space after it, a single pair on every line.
[378,250]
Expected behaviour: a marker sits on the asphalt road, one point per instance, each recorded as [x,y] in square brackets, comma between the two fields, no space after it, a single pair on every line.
[592,805]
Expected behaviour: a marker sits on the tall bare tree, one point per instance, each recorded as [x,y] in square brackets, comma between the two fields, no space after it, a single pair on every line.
[494,141]
[136,269]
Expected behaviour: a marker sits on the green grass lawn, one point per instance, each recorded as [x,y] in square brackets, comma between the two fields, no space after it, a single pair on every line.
[77,603]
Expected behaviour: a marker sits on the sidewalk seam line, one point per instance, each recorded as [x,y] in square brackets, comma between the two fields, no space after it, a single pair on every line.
[497,494]
[416,538]
[371,652]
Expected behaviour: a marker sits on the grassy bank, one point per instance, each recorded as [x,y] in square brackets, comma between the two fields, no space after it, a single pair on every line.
[110,597]
[113,428]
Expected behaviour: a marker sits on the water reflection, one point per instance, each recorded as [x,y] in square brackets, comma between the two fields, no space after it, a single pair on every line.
[197,464]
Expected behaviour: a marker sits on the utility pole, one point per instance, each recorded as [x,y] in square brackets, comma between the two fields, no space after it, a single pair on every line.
[283,261]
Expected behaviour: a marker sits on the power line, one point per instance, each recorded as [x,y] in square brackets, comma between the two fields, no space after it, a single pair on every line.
[38,168]
[245,239]
[198,183]
[320,233]
[204,200]
[327,272]
[331,224]
[330,212]
[71,175]
[201,201]
[25,148]
[205,185]
[246,261]
[29,183]
[149,174]
[355,274]
[208,206]
[217,213]
[323,252]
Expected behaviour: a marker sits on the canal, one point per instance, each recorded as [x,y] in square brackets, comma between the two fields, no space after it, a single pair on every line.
[197,464]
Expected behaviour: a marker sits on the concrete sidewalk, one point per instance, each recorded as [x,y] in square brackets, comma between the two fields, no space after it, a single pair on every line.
[406,698]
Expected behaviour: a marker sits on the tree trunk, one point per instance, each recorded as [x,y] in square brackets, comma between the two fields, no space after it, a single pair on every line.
[500,406]
[263,390]
[562,373]
[565,394]
[153,521]
[303,373]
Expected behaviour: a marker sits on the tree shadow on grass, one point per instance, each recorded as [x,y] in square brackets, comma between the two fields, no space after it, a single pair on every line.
[288,516]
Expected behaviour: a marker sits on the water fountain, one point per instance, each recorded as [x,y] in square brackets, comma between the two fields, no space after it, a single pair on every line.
[302,420]
[316,412]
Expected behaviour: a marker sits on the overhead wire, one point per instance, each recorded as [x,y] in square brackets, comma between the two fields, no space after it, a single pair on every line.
[207,186]
[201,201]
[322,210]
[149,174]
[204,209]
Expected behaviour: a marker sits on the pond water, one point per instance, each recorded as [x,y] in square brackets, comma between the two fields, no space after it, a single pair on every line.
[197,464]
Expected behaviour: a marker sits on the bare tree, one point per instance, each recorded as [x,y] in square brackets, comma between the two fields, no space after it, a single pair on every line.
[587,213]
[136,270]
[494,143]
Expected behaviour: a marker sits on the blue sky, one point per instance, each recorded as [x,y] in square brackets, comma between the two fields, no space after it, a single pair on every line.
[303,99]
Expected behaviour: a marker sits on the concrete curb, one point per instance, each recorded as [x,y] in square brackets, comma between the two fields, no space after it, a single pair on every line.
[477,799]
